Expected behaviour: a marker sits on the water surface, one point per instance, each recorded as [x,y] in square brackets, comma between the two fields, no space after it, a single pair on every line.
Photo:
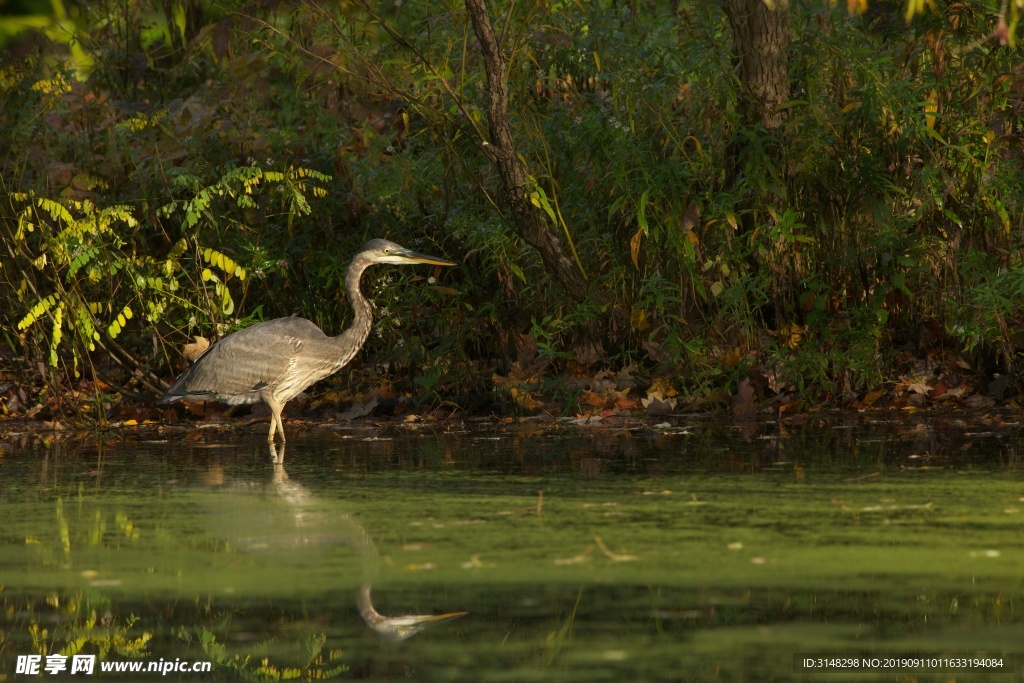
[687,552]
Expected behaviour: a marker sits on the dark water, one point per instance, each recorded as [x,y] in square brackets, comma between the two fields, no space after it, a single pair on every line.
[692,552]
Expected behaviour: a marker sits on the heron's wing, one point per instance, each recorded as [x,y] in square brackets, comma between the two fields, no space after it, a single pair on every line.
[242,364]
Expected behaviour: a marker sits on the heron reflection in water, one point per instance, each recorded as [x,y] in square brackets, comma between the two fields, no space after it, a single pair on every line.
[299,501]
[275,361]
[393,629]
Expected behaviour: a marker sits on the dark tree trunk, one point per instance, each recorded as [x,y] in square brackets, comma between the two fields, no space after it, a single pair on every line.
[761,37]
[514,175]
[760,40]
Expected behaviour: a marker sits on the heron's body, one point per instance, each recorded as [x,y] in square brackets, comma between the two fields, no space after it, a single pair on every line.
[277,360]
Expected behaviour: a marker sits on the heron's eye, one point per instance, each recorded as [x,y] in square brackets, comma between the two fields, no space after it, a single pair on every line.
[387,250]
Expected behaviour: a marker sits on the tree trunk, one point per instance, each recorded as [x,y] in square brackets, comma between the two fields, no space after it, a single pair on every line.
[514,175]
[760,39]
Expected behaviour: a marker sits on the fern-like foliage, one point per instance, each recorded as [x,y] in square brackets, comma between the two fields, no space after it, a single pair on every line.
[84,274]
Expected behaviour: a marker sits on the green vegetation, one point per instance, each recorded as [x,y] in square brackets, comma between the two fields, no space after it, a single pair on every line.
[179,168]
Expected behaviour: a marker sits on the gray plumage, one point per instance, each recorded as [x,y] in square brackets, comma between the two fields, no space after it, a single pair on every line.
[277,360]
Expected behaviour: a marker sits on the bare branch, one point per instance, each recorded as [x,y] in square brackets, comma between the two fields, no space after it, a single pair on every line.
[513,172]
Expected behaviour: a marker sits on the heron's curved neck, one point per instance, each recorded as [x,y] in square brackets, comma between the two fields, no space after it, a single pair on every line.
[364,604]
[355,335]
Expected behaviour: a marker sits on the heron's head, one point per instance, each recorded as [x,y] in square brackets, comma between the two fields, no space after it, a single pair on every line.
[394,629]
[384,251]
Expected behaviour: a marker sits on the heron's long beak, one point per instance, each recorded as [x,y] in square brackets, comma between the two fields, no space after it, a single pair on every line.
[437,618]
[414,257]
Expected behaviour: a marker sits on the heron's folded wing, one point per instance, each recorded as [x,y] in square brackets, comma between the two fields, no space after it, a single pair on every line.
[240,364]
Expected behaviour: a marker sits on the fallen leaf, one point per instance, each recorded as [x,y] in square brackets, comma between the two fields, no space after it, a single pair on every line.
[192,351]
[658,404]
[624,403]
[872,396]
[357,410]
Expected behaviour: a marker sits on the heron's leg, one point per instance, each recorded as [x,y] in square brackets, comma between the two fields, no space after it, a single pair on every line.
[280,424]
[273,427]
[275,418]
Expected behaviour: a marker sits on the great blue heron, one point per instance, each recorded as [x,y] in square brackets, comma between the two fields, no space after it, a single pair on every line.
[305,509]
[284,515]
[277,360]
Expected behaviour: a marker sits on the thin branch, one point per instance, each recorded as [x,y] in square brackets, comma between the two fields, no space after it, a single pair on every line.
[514,175]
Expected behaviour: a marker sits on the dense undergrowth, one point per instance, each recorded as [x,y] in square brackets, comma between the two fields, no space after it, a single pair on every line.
[167,179]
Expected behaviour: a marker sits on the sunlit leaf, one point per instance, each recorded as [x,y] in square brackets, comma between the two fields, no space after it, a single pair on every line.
[634,247]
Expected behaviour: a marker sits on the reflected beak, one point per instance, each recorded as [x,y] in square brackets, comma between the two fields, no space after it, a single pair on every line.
[438,618]
[394,629]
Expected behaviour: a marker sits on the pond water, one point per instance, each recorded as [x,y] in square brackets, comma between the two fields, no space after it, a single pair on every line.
[692,551]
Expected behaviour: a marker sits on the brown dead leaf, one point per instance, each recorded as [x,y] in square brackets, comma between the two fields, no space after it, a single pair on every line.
[658,404]
[196,408]
[949,394]
[664,387]
[638,320]
[634,247]
[192,351]
[919,388]
[523,399]
[601,384]
[625,403]
[655,351]
[792,335]
[626,373]
[872,396]
[357,410]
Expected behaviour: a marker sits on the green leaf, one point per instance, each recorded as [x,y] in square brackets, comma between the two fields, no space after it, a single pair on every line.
[641,212]
[81,260]
[899,281]
[517,272]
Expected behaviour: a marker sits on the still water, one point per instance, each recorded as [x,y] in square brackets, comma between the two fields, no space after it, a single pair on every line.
[689,552]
